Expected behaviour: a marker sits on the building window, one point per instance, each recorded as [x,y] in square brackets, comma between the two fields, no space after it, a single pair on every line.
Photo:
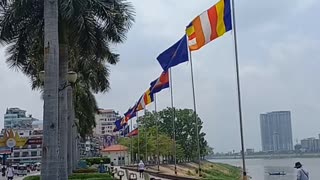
[25,154]
[33,146]
[33,153]
[102,128]
[16,154]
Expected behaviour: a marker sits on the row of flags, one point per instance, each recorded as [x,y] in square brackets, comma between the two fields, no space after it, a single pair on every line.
[206,27]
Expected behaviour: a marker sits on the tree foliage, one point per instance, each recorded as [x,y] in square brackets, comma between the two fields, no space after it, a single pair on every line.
[186,139]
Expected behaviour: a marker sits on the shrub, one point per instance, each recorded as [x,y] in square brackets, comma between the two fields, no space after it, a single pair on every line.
[95,176]
[92,161]
[89,170]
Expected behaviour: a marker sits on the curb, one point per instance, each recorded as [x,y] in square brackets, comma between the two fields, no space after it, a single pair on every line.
[161,175]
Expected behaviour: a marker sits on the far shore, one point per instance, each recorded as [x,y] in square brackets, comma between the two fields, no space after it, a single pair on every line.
[268,156]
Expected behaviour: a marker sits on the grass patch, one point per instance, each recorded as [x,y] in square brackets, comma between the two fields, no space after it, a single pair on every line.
[32,178]
[221,172]
[91,176]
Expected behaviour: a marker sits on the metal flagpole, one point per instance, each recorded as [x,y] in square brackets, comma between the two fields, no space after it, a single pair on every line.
[138,137]
[146,141]
[173,124]
[238,89]
[157,121]
[195,114]
[131,143]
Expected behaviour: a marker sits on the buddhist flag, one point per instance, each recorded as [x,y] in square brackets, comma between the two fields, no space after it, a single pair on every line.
[209,25]
[144,100]
[161,83]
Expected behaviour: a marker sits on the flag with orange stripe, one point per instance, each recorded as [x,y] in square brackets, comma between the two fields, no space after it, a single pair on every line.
[209,25]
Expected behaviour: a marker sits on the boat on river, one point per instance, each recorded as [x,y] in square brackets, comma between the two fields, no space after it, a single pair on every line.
[282,173]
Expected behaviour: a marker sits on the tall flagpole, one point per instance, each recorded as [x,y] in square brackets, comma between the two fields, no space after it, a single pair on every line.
[146,140]
[195,114]
[238,88]
[173,124]
[138,137]
[131,143]
[157,121]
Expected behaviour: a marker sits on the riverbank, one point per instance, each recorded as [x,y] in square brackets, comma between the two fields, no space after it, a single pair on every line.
[269,156]
[209,170]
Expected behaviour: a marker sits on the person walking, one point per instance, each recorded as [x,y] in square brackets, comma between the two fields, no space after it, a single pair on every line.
[301,173]
[3,170]
[10,172]
[141,168]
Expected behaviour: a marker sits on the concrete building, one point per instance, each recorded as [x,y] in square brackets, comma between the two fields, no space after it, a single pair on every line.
[28,152]
[26,127]
[310,145]
[276,131]
[105,119]
[15,118]
[118,154]
[90,147]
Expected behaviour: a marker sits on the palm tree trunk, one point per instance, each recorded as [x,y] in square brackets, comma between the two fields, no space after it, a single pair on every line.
[63,112]
[50,163]
[75,143]
[70,131]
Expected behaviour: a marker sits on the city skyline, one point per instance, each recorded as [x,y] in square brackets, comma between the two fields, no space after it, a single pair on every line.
[278,68]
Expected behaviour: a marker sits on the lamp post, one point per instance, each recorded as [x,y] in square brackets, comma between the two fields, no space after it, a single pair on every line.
[71,147]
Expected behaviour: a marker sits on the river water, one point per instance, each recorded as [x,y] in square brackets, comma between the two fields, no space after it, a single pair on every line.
[258,168]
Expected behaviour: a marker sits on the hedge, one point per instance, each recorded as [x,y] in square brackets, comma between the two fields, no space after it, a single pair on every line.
[92,161]
[89,170]
[93,176]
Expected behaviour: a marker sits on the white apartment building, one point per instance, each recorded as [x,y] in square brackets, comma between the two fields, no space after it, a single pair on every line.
[105,119]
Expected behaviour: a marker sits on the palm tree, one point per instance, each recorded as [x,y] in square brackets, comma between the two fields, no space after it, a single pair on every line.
[86,27]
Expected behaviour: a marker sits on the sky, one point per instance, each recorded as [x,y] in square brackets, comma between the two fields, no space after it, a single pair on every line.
[278,43]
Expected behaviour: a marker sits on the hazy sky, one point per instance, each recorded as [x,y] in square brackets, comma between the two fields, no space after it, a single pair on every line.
[279,68]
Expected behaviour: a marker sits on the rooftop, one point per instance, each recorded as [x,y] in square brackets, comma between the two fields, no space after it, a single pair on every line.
[105,110]
[114,148]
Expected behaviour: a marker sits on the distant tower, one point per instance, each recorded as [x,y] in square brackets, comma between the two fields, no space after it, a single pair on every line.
[276,131]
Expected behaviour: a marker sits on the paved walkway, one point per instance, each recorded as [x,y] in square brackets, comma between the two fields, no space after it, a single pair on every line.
[20,177]
[138,178]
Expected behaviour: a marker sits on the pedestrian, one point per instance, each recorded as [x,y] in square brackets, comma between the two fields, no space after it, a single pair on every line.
[301,173]
[10,172]
[3,170]
[141,168]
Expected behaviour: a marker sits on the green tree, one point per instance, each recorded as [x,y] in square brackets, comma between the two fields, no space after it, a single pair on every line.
[186,137]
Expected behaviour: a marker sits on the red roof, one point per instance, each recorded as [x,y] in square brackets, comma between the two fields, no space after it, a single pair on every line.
[113,148]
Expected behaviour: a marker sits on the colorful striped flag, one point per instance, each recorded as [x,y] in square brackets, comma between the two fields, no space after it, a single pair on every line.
[209,25]
[144,100]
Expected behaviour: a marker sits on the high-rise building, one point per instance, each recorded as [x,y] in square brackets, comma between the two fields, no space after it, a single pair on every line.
[276,131]
[15,118]
[105,119]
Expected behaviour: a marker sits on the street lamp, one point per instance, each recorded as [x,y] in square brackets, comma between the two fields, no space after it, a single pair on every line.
[71,77]
[41,76]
